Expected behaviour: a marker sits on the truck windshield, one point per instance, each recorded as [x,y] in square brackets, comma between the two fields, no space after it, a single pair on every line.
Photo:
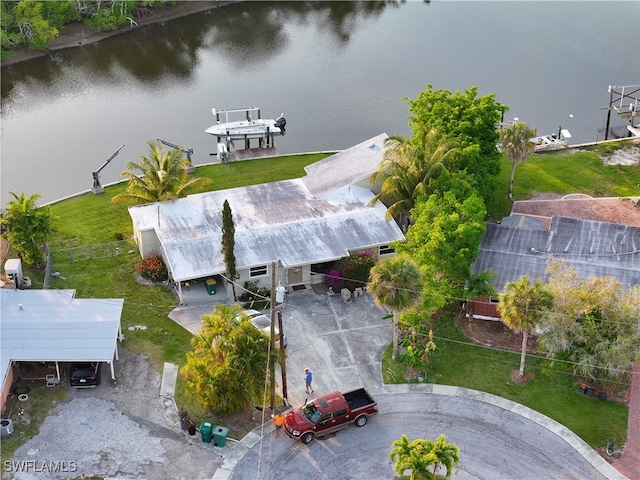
[311,413]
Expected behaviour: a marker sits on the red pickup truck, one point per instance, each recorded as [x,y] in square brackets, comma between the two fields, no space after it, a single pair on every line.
[329,413]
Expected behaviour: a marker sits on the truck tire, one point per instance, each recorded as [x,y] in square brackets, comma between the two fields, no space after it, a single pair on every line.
[361,421]
[306,438]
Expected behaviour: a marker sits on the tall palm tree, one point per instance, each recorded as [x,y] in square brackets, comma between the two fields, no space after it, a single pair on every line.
[395,283]
[477,285]
[159,177]
[522,306]
[407,168]
[515,143]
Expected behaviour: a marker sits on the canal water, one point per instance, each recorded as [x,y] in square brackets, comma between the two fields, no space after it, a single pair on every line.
[339,71]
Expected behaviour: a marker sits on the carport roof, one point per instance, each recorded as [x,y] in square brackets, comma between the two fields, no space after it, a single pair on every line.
[52,325]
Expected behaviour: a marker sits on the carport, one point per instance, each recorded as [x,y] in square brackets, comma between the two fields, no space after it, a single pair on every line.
[54,326]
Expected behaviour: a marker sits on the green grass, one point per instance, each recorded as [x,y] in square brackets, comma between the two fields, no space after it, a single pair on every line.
[579,172]
[92,219]
[552,392]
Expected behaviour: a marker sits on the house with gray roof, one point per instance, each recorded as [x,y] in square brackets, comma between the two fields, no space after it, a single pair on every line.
[521,246]
[300,224]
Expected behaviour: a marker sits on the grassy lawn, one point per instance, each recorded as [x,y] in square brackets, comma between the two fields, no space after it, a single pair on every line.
[552,392]
[92,219]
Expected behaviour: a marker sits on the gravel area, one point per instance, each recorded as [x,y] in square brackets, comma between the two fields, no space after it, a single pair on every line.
[114,431]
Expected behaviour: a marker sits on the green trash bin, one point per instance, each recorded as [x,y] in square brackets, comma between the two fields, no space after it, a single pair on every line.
[211,286]
[205,431]
[220,436]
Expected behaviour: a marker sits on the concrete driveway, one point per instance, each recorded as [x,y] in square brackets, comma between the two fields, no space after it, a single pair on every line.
[342,344]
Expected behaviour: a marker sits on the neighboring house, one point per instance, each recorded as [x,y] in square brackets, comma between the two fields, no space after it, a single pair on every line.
[301,224]
[521,245]
[54,326]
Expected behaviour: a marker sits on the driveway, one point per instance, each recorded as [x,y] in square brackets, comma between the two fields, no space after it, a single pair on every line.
[342,343]
[113,431]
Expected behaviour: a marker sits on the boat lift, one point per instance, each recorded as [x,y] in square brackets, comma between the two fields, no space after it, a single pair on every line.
[97,188]
[188,151]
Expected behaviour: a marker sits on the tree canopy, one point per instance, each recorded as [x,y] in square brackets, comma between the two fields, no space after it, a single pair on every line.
[408,167]
[448,226]
[26,226]
[522,306]
[594,323]
[395,283]
[469,119]
[226,368]
[159,177]
[422,458]
[515,143]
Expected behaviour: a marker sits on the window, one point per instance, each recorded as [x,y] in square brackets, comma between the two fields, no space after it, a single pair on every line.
[385,250]
[494,300]
[341,412]
[258,271]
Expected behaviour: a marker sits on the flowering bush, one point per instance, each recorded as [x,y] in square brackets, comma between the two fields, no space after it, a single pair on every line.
[350,272]
[153,268]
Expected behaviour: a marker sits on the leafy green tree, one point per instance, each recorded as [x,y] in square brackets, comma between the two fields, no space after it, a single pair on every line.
[522,307]
[422,458]
[35,28]
[471,120]
[477,285]
[225,369]
[515,143]
[26,227]
[444,240]
[407,168]
[594,323]
[228,244]
[159,177]
[395,283]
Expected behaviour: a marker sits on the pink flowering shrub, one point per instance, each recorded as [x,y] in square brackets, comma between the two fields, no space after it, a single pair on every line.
[152,268]
[350,272]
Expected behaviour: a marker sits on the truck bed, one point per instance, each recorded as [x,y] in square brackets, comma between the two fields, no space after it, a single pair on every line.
[358,398]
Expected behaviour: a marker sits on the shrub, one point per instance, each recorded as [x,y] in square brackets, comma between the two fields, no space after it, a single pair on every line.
[254,296]
[350,272]
[153,268]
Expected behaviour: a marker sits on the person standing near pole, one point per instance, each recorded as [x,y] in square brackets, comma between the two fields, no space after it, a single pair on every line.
[308,378]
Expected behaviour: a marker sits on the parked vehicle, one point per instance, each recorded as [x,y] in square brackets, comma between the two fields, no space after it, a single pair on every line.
[85,375]
[329,413]
[262,323]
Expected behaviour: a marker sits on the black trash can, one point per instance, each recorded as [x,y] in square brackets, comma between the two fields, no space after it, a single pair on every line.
[191,428]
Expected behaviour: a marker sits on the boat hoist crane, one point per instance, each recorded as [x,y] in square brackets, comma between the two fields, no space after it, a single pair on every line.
[97,188]
[187,151]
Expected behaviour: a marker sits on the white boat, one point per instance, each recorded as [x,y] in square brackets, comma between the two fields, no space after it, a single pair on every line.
[551,142]
[248,128]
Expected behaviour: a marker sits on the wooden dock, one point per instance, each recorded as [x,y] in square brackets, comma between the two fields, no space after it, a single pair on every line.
[251,153]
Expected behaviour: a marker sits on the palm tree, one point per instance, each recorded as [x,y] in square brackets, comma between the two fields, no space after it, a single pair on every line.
[395,283]
[448,454]
[477,285]
[416,456]
[408,167]
[159,177]
[26,227]
[515,143]
[522,306]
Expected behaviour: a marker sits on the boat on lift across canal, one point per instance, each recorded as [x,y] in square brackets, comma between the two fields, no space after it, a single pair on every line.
[247,129]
